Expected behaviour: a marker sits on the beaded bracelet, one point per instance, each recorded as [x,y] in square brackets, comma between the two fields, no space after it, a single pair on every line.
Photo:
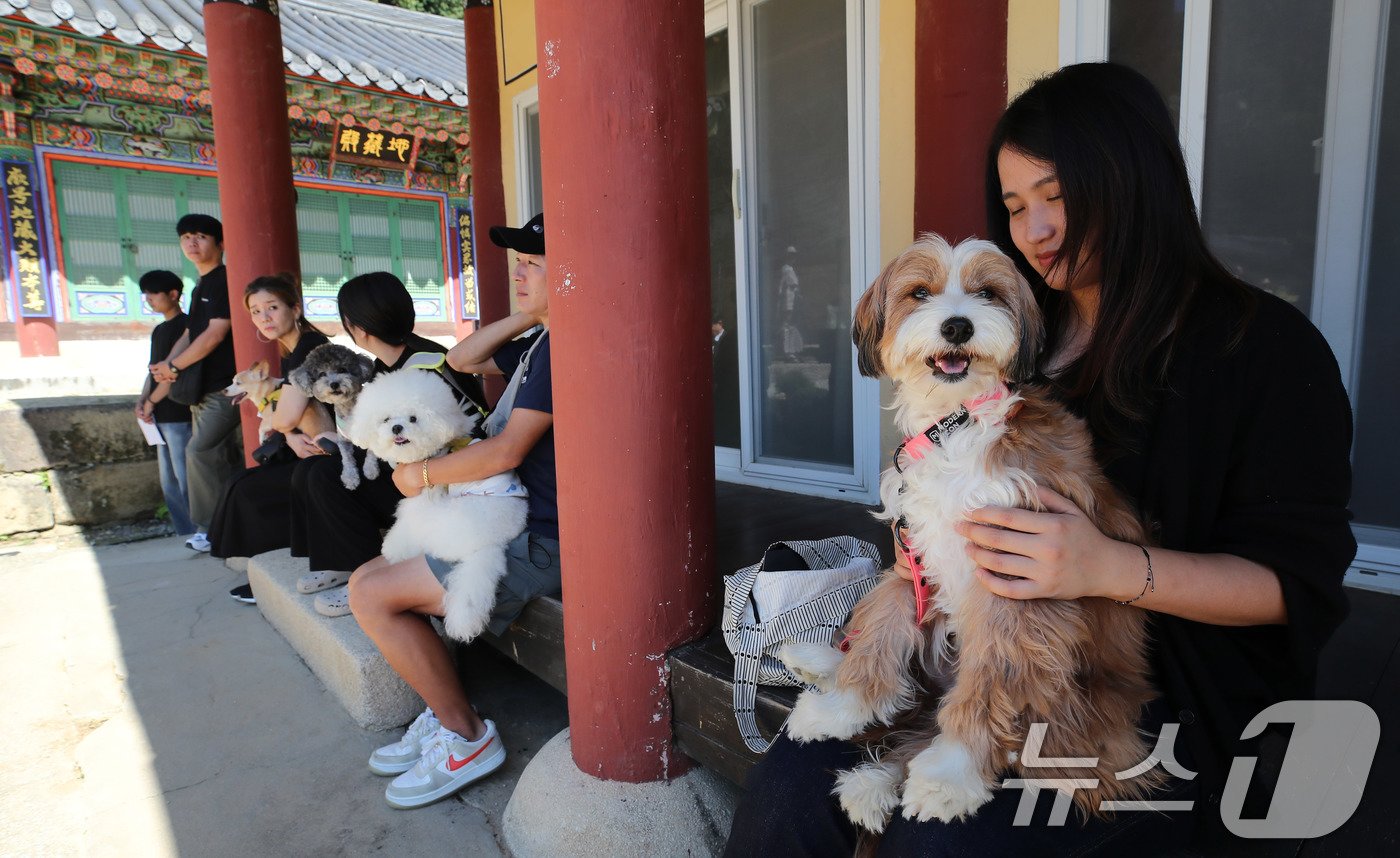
[1150,586]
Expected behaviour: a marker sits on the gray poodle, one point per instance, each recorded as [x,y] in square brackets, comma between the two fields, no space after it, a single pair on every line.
[334,375]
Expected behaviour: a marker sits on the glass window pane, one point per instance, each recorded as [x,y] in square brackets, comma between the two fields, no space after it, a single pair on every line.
[1374,500]
[92,251]
[532,148]
[318,235]
[724,330]
[1146,34]
[800,240]
[151,209]
[1263,141]
[369,234]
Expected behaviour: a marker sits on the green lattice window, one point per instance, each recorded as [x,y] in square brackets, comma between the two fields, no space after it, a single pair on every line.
[117,223]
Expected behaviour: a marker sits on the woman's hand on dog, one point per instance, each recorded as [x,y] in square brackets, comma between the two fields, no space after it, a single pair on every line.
[1057,554]
[303,445]
[408,478]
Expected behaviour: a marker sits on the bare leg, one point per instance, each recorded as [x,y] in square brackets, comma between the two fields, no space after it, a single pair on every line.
[392,601]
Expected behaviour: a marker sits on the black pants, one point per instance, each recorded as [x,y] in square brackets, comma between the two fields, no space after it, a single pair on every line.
[254,511]
[334,528]
[789,811]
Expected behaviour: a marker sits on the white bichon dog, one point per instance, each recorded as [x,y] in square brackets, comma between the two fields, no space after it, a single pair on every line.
[411,415]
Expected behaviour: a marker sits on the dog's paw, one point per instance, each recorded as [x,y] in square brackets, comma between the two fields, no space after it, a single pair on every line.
[944,783]
[371,466]
[835,714]
[813,664]
[869,793]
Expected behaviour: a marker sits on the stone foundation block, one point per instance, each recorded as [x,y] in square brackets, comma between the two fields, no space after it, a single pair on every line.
[336,649]
[105,493]
[24,504]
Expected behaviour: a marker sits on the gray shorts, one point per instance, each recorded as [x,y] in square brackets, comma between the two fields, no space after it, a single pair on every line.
[532,569]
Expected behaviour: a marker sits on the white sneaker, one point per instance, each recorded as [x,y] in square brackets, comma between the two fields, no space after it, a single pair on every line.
[399,757]
[448,764]
[199,542]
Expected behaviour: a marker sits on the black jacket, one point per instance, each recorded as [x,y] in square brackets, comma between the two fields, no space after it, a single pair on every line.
[1246,453]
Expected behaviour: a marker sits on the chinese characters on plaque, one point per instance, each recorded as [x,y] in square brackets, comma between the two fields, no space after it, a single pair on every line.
[22,219]
[360,145]
[470,308]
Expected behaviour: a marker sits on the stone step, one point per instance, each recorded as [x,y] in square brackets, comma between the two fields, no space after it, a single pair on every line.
[336,649]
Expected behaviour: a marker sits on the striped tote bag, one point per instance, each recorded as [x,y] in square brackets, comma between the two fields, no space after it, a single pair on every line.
[771,603]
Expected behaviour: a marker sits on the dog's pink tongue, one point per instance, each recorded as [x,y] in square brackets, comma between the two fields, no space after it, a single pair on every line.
[952,365]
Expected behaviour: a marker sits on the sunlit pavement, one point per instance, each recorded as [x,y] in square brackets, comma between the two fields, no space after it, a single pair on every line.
[147,713]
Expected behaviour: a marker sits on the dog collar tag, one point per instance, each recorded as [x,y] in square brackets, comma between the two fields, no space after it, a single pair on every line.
[919,446]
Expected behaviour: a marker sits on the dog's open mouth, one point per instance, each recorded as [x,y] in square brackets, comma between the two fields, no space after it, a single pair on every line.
[950,366]
[400,440]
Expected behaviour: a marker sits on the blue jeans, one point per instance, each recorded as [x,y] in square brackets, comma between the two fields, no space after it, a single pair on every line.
[173,482]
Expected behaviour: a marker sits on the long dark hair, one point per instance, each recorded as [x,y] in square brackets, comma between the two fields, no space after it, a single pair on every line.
[1127,198]
[378,303]
[287,290]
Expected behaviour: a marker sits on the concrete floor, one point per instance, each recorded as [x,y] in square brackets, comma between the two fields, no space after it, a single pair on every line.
[146,713]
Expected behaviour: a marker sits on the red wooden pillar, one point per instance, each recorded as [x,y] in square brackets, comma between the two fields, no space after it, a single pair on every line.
[248,88]
[959,93]
[37,337]
[622,111]
[488,186]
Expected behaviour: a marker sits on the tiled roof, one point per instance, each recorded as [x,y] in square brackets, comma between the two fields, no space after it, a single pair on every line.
[361,42]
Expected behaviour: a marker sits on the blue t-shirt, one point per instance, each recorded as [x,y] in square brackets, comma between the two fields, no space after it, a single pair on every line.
[535,393]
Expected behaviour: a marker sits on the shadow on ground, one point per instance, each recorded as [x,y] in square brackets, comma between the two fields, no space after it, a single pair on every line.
[174,720]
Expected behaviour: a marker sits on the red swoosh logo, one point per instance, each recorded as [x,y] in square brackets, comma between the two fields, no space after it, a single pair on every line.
[453,764]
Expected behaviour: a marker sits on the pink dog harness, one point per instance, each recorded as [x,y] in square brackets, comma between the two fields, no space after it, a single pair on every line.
[919,447]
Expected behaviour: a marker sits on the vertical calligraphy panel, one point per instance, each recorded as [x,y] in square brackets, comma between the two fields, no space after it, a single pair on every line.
[25,249]
[466,243]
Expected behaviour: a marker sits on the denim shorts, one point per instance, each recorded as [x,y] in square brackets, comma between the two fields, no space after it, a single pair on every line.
[532,569]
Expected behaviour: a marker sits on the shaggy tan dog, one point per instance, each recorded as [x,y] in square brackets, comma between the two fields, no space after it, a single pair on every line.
[951,326]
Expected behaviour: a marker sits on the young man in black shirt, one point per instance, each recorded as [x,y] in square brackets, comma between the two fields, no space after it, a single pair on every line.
[162,290]
[215,448]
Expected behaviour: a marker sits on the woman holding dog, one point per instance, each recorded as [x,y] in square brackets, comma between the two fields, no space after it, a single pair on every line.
[254,507]
[336,528]
[1217,408]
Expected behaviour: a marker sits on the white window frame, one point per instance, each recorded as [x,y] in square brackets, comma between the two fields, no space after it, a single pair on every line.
[861,483]
[1084,39]
[521,106]
[1355,71]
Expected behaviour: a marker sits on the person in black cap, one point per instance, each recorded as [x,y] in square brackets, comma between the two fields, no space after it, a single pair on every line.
[392,601]
[215,448]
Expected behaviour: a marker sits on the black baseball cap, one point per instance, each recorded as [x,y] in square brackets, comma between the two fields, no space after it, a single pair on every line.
[527,239]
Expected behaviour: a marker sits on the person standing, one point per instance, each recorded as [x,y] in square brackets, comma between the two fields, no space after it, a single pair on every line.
[162,291]
[215,447]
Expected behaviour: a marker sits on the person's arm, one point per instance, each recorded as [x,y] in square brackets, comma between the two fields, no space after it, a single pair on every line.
[186,354]
[1280,540]
[1060,554]
[474,353]
[481,460]
[291,405]
[158,369]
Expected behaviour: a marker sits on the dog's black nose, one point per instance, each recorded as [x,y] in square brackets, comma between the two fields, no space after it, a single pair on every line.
[398,428]
[957,330]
